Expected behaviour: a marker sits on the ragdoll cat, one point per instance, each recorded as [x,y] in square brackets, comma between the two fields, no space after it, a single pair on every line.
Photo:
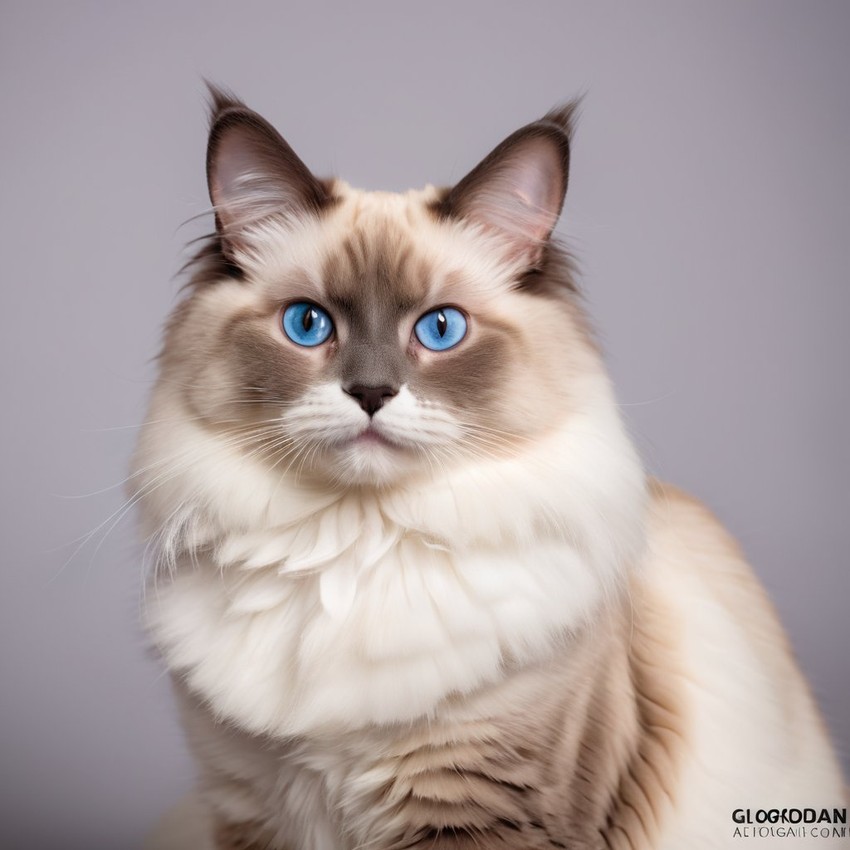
[414,587]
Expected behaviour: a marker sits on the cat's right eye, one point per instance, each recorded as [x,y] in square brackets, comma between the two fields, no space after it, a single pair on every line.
[441,329]
[306,324]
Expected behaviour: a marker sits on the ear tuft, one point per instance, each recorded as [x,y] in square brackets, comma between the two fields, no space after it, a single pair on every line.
[565,117]
[220,100]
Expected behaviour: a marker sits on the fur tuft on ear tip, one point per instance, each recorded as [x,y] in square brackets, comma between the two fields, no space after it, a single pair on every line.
[221,100]
[565,117]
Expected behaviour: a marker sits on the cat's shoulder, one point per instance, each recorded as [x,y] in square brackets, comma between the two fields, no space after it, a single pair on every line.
[689,547]
[683,529]
[676,514]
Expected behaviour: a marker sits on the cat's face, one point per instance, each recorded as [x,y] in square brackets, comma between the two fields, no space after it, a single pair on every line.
[364,338]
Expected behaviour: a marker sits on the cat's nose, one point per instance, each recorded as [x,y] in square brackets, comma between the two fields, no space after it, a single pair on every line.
[371,398]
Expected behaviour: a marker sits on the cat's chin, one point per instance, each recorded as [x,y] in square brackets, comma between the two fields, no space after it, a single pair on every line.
[369,459]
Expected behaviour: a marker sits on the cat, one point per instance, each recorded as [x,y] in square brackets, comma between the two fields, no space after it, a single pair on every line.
[413,585]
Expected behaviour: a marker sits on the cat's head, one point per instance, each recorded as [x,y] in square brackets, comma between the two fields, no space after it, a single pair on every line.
[364,338]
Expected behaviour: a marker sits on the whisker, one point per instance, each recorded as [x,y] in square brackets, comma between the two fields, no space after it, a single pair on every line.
[179,465]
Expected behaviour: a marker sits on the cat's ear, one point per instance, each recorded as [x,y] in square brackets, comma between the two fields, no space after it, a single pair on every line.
[252,173]
[518,190]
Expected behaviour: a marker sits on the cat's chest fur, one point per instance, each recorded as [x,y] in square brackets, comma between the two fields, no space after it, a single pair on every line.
[349,618]
[524,762]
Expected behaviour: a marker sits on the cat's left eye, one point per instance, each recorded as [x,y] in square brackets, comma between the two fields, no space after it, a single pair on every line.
[441,329]
[306,324]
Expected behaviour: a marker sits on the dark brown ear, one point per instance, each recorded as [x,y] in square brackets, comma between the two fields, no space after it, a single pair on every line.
[252,173]
[518,190]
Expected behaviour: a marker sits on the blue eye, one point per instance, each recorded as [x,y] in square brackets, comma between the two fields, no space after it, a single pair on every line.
[306,324]
[441,329]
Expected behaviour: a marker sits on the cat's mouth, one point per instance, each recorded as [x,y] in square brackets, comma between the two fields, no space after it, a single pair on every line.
[370,436]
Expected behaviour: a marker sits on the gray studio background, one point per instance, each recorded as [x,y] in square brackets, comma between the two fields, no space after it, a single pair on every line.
[708,204]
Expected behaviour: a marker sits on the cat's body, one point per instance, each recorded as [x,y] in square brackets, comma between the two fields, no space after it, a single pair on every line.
[418,595]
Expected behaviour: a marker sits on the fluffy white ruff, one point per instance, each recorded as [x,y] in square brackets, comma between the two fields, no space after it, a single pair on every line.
[293,611]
